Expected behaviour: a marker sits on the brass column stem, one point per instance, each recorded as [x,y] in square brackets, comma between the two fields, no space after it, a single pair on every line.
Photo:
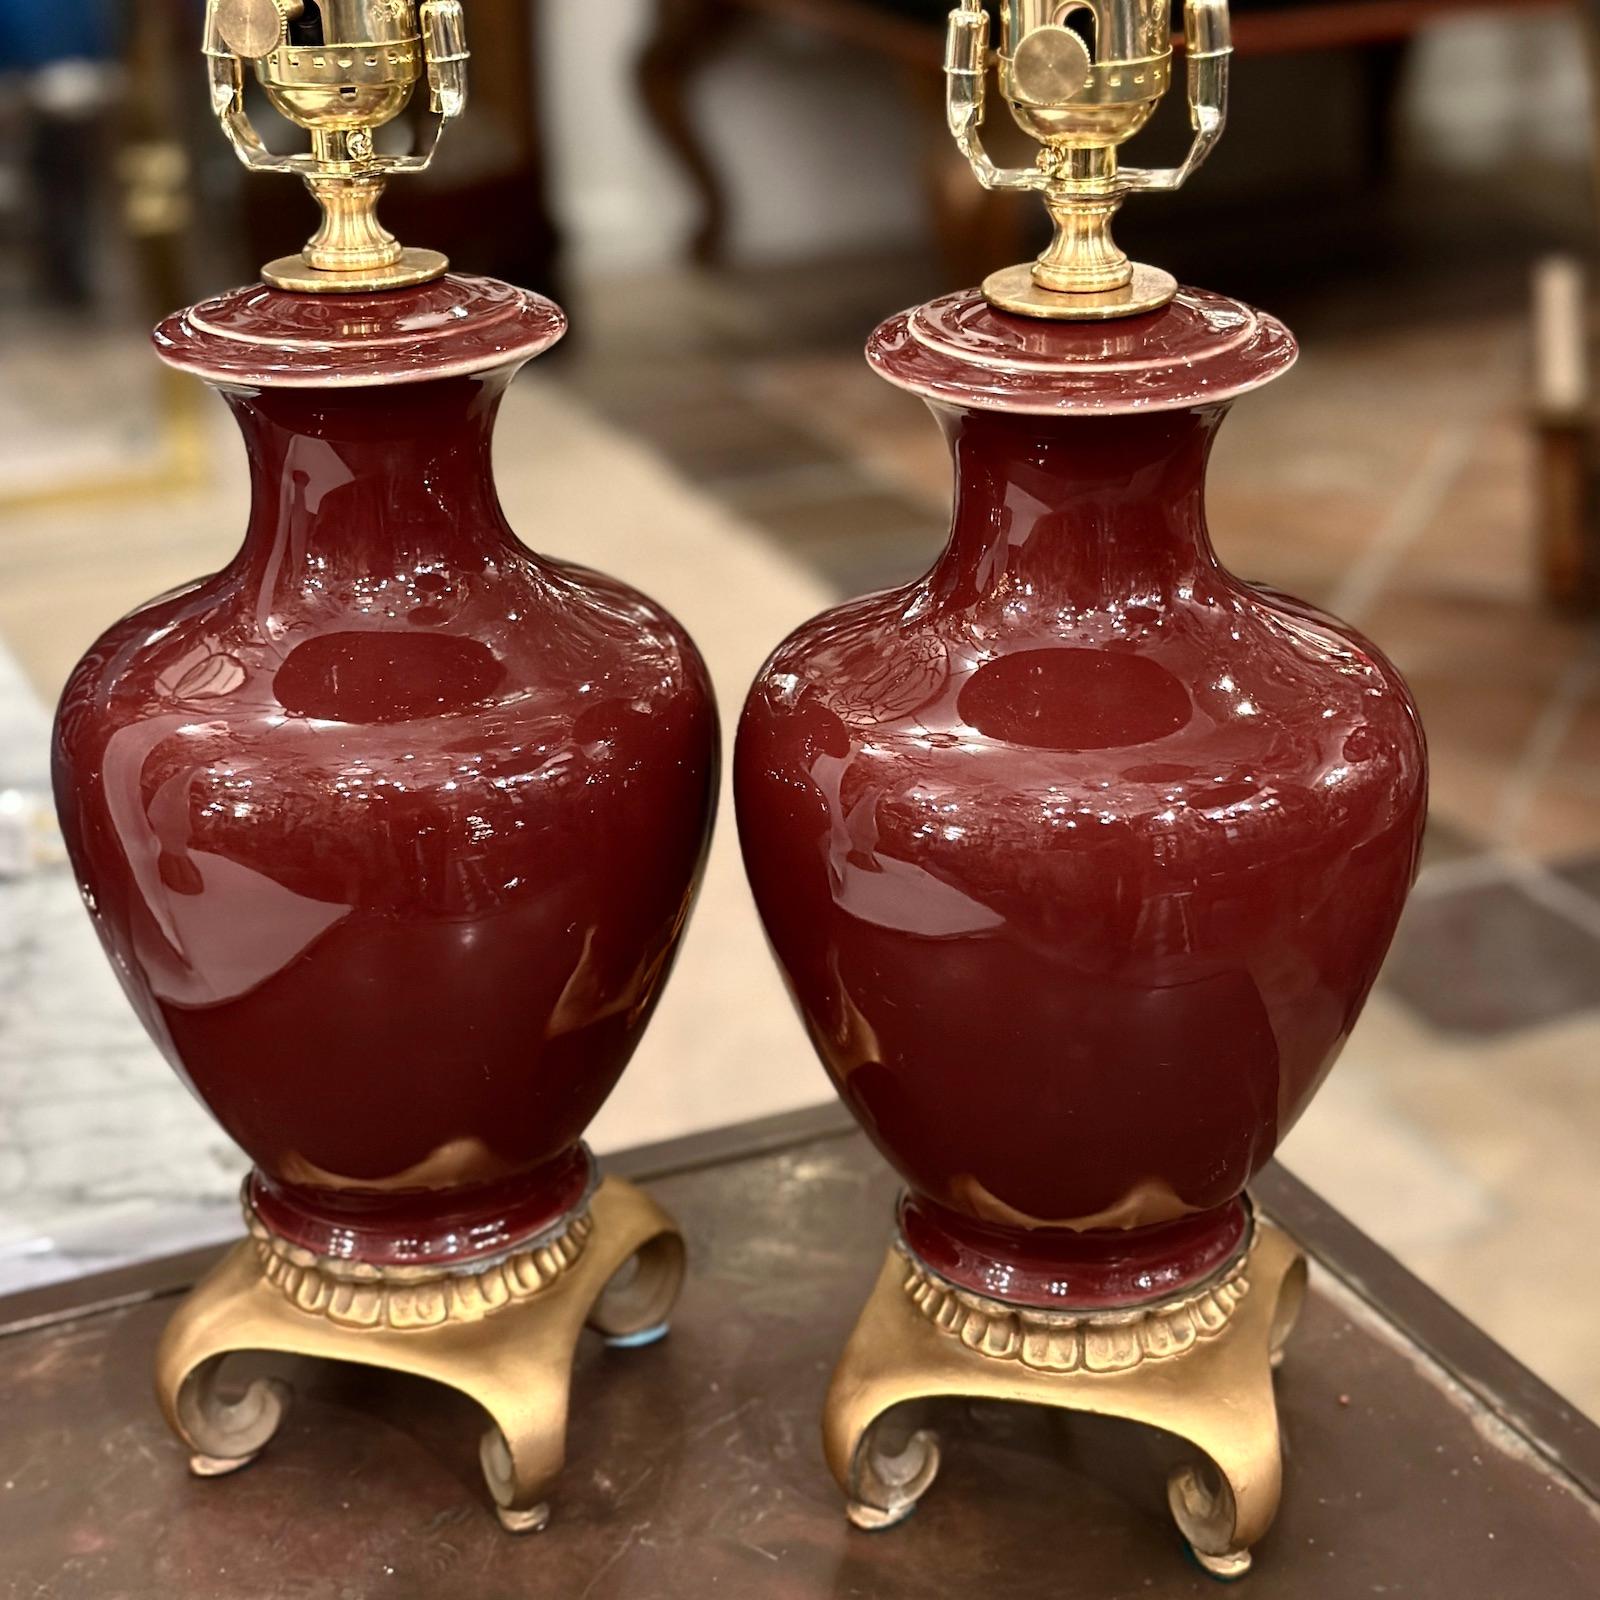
[351,238]
[1082,197]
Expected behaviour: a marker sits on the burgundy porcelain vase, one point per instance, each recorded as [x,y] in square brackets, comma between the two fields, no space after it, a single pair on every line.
[1080,855]
[391,827]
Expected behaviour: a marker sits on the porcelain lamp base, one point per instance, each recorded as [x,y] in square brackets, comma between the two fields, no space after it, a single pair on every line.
[1197,1366]
[504,1334]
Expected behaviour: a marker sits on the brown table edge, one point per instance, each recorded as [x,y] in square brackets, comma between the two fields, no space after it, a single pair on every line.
[1557,1430]
[1548,1422]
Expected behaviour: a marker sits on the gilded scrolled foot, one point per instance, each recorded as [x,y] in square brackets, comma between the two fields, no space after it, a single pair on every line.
[1195,1367]
[534,1521]
[887,1484]
[1225,1499]
[636,1304]
[1204,1507]
[521,1509]
[227,1435]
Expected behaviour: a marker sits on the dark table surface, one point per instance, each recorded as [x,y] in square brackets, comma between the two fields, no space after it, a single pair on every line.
[1421,1460]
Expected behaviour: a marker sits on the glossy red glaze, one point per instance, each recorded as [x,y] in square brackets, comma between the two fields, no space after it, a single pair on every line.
[455,327]
[1079,854]
[958,350]
[391,827]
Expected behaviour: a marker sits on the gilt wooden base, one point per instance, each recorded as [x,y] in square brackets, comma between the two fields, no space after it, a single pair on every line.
[1198,1366]
[505,1336]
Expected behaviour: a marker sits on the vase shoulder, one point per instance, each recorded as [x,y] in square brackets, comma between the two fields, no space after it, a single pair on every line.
[1232,686]
[1203,349]
[1238,731]
[520,638]
[463,765]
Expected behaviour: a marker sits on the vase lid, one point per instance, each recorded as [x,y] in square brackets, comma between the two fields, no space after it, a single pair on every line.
[1201,349]
[270,338]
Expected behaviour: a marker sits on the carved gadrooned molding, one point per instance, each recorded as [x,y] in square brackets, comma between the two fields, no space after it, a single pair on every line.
[359,1295]
[1082,1342]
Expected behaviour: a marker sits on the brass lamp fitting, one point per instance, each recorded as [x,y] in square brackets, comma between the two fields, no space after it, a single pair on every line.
[1082,78]
[340,69]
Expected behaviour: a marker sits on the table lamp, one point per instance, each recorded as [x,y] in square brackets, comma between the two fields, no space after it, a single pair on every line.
[1079,854]
[391,828]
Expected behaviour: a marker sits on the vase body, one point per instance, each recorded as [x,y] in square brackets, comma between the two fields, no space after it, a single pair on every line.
[390,829]
[1079,855]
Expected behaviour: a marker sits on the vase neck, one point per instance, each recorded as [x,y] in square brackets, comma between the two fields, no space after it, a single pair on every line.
[353,486]
[1079,512]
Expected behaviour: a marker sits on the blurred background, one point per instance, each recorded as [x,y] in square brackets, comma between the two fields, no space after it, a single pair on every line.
[728,195]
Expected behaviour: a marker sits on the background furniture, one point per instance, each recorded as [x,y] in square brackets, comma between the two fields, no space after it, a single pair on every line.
[119,183]
[1422,1460]
[976,229]
[1566,428]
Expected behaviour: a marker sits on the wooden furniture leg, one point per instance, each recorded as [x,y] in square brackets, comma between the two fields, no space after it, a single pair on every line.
[685,37]
[1384,68]
[1565,438]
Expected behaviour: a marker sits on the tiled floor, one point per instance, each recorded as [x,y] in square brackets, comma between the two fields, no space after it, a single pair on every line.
[1389,478]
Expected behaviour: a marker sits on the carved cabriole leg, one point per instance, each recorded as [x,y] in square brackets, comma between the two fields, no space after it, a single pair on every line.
[1199,1368]
[684,38]
[506,1338]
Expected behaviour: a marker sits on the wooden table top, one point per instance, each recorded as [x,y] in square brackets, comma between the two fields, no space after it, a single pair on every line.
[1421,1461]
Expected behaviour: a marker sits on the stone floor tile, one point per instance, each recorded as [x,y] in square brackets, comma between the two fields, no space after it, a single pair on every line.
[728,441]
[1388,1176]
[852,531]
[1481,538]
[840,399]
[1475,637]
[1488,958]
[1582,872]
[1560,819]
[1446,841]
